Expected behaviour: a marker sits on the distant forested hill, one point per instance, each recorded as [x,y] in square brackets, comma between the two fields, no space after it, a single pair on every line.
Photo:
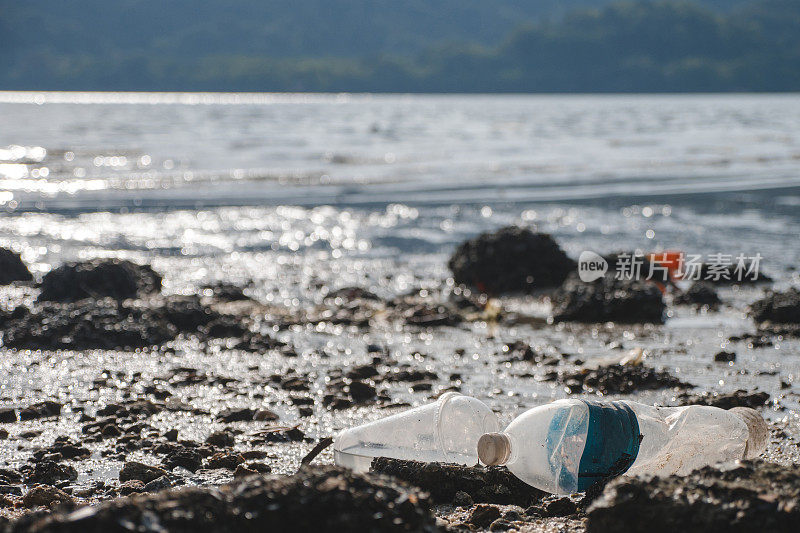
[276,28]
[399,45]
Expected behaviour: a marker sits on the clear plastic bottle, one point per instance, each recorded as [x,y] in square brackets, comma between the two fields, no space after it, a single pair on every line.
[446,431]
[568,445]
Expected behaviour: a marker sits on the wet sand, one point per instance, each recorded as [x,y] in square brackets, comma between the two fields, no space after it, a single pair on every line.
[150,391]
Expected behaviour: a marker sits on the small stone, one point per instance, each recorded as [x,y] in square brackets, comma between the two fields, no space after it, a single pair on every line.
[15,490]
[187,458]
[462,499]
[133,486]
[236,415]
[140,471]
[724,357]
[157,484]
[40,410]
[45,495]
[225,460]
[534,511]
[362,372]
[243,471]
[560,507]
[361,392]
[483,515]
[293,434]
[110,431]
[261,468]
[223,439]
[265,415]
[7,415]
[501,525]
[171,435]
[50,473]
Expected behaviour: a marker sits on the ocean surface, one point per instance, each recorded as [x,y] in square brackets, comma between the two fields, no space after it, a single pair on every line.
[400,177]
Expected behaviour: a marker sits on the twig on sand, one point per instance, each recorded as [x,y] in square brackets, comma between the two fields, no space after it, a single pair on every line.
[316,450]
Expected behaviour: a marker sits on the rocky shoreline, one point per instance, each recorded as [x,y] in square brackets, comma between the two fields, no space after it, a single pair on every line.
[141,410]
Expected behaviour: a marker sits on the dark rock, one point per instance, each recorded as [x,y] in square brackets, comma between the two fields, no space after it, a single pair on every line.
[619,379]
[739,398]
[778,307]
[282,434]
[99,278]
[243,471]
[501,524]
[323,499]
[85,325]
[110,324]
[430,315]
[265,415]
[12,268]
[15,490]
[236,415]
[483,484]
[462,499]
[510,260]
[699,294]
[483,515]
[402,375]
[9,477]
[7,415]
[223,439]
[753,496]
[724,357]
[185,457]
[134,486]
[608,300]
[261,468]
[157,484]
[363,372]
[559,507]
[43,409]
[50,473]
[361,392]
[225,460]
[110,431]
[45,495]
[187,314]
[132,470]
[520,351]
[68,449]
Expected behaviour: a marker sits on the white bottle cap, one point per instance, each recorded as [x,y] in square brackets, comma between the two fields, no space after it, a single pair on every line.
[494,448]
[757,431]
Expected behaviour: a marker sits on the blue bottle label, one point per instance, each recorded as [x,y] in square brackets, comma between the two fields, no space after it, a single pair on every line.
[612,442]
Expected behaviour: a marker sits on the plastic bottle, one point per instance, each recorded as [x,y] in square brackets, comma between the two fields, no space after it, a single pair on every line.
[446,431]
[568,445]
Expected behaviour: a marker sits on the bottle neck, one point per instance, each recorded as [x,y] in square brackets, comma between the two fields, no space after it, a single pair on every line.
[494,449]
